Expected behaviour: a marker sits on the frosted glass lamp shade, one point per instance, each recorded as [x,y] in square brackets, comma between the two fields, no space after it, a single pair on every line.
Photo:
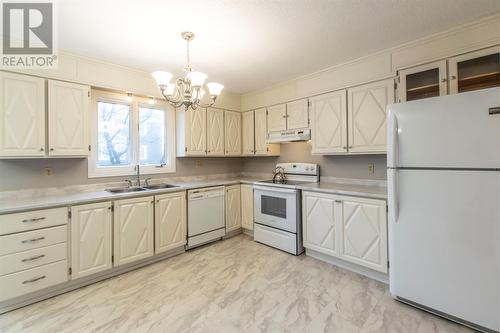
[197,78]
[214,88]
[200,93]
[162,78]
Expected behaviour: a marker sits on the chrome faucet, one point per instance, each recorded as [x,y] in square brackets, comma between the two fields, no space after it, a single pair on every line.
[138,181]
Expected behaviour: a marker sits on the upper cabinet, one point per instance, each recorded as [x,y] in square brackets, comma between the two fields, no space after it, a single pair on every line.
[215,132]
[297,114]
[467,72]
[276,118]
[475,70]
[262,148]
[424,81]
[232,130]
[366,116]
[289,116]
[329,123]
[192,132]
[22,115]
[68,120]
[248,133]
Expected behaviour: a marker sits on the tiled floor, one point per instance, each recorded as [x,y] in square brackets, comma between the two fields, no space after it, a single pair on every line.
[235,285]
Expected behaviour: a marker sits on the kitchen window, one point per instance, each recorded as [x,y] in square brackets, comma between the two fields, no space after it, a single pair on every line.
[126,132]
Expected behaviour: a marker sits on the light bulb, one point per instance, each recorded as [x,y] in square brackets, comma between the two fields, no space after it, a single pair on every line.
[214,88]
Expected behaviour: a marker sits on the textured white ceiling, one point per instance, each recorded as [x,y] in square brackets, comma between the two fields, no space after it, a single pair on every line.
[249,44]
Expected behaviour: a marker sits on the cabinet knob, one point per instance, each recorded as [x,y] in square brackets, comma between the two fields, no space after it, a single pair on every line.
[453,77]
[51,149]
[344,147]
[41,149]
[338,201]
[443,79]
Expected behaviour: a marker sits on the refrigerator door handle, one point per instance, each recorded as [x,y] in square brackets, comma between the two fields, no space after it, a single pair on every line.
[393,195]
[392,154]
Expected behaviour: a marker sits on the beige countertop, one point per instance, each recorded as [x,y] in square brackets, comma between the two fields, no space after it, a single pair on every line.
[17,201]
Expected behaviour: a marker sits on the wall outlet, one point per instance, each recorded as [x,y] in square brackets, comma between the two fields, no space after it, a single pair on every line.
[199,163]
[48,171]
[371,168]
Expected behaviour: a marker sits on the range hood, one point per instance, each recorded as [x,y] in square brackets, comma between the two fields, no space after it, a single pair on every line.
[290,136]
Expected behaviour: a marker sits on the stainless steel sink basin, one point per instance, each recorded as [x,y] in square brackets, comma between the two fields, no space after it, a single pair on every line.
[125,189]
[159,186]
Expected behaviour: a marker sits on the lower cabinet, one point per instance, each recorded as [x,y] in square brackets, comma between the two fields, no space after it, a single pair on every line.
[233,207]
[170,221]
[247,206]
[91,238]
[133,230]
[350,228]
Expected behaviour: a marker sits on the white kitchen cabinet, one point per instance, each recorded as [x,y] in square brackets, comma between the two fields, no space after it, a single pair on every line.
[247,206]
[133,230]
[191,130]
[297,114]
[233,208]
[364,232]
[276,118]
[22,115]
[366,116]
[423,81]
[68,118]
[261,146]
[170,221]
[215,132]
[232,131]
[248,133]
[329,123]
[475,70]
[91,238]
[321,215]
[349,228]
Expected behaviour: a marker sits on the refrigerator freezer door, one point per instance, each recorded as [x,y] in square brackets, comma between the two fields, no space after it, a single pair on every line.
[444,246]
[455,131]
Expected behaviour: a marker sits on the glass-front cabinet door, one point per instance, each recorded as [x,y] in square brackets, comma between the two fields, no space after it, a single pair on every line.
[423,81]
[476,70]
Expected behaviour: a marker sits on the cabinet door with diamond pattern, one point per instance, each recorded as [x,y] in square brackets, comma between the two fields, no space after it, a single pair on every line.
[91,238]
[196,132]
[329,123]
[215,132]
[133,230]
[367,116]
[68,118]
[232,133]
[22,115]
[170,221]
[364,232]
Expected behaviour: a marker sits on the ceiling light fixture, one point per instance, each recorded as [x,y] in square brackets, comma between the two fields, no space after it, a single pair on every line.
[188,91]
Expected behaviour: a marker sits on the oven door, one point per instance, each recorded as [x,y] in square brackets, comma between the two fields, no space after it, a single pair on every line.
[276,207]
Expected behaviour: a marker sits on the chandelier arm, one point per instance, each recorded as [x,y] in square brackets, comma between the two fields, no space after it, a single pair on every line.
[206,105]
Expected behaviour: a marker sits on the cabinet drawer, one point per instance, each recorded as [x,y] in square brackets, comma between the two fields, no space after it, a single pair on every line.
[32,239]
[20,283]
[11,223]
[16,262]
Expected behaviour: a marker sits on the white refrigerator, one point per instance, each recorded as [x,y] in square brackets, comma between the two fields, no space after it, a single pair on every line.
[444,206]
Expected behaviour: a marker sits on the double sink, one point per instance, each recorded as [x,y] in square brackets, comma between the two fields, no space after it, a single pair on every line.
[117,190]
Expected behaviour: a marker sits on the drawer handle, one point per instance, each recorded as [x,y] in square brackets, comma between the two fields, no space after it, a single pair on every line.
[35,279]
[33,258]
[36,219]
[32,240]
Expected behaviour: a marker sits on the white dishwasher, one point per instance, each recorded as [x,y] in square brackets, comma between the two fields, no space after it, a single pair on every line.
[205,215]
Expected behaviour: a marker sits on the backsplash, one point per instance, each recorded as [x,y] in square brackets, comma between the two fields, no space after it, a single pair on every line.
[29,173]
[338,166]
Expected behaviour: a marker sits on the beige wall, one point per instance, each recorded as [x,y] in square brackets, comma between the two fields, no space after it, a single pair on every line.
[353,166]
[29,173]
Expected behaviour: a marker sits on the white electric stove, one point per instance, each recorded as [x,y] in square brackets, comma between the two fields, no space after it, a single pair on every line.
[277,207]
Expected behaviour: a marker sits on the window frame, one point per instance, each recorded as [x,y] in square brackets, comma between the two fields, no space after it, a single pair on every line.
[95,171]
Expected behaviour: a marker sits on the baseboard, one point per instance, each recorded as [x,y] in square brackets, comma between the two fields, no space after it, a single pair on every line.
[384,278]
[232,233]
[248,232]
[71,285]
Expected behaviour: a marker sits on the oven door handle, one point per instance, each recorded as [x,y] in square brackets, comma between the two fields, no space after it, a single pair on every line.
[273,189]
